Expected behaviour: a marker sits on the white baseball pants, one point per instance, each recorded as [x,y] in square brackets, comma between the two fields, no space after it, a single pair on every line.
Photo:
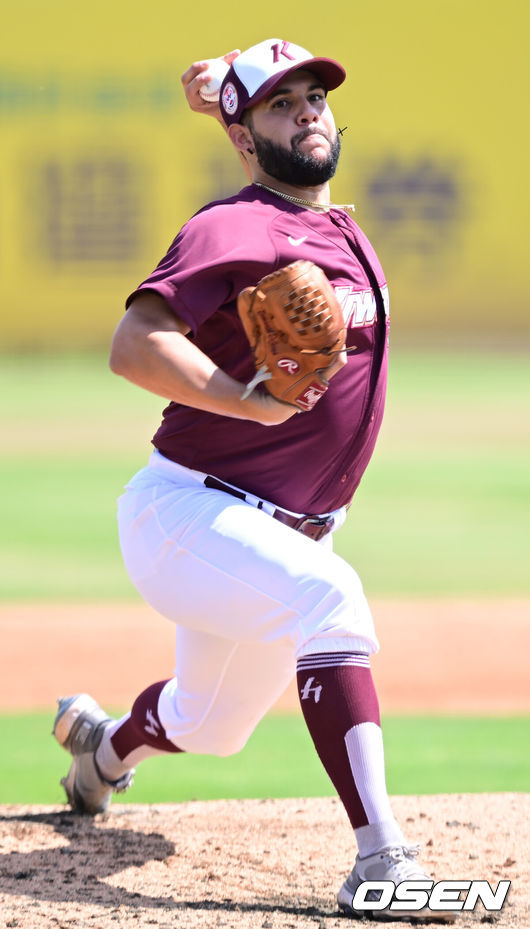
[249,597]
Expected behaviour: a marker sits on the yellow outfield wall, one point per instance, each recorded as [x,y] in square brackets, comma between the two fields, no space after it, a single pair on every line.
[101,162]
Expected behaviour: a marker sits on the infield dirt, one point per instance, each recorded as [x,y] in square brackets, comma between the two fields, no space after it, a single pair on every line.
[253,864]
[444,656]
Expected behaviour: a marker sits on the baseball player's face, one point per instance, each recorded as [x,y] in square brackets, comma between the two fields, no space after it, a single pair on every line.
[294,132]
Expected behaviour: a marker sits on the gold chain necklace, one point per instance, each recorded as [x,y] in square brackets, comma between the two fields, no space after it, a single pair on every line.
[325,207]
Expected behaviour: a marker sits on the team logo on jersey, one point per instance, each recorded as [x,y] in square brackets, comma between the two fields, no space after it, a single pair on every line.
[359,306]
[230,99]
[289,365]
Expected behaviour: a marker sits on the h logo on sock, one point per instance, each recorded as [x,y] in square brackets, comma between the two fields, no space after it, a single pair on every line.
[152,726]
[308,689]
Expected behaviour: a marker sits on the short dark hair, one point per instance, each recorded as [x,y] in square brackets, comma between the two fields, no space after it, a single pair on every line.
[246,119]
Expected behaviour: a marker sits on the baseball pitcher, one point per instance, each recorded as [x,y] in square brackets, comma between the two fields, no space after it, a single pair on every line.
[264,328]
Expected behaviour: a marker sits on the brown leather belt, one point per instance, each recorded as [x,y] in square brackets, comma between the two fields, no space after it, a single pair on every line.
[315,527]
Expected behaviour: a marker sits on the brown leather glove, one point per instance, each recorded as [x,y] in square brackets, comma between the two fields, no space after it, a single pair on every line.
[295,327]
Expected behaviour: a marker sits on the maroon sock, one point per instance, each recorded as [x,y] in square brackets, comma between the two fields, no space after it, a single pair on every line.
[143,727]
[337,692]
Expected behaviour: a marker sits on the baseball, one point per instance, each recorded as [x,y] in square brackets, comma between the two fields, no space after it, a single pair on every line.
[217,69]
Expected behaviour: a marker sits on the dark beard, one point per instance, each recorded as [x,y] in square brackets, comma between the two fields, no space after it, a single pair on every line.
[292,166]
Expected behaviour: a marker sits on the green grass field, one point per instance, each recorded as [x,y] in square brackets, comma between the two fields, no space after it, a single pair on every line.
[443,510]
[425,755]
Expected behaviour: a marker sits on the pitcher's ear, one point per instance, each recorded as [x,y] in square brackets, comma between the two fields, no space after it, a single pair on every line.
[241,138]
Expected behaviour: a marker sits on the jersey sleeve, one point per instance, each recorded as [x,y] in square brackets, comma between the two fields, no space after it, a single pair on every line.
[215,255]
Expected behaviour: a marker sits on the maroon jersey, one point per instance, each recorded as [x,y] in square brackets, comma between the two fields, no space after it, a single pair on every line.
[313,462]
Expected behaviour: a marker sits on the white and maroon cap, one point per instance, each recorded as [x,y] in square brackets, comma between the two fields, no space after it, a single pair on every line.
[256,71]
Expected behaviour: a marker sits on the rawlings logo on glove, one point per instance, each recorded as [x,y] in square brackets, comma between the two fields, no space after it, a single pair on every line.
[295,327]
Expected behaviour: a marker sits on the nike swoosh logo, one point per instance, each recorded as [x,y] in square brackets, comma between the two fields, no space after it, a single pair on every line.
[296,241]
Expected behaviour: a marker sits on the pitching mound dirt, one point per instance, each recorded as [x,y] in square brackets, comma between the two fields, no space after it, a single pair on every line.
[253,864]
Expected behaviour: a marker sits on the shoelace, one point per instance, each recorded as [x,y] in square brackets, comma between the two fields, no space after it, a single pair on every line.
[402,860]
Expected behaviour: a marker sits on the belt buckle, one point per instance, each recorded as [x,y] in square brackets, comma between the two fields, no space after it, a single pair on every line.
[316,527]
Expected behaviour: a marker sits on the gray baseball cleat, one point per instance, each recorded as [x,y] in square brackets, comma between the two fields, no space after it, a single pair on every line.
[79,727]
[396,864]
